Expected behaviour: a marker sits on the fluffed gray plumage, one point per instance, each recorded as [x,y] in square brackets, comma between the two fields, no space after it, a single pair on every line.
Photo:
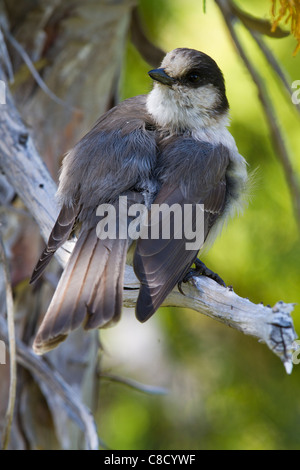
[168,147]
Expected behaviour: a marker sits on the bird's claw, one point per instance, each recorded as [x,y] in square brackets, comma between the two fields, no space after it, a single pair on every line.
[200,270]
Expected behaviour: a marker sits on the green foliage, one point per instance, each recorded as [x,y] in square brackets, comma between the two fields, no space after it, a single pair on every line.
[226,390]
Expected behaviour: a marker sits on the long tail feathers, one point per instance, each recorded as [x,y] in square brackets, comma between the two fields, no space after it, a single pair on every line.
[89,291]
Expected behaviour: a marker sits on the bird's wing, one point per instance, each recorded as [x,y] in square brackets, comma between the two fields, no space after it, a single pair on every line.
[191,173]
[59,235]
[115,156]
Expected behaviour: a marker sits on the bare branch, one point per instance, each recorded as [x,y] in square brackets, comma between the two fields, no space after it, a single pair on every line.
[273,326]
[26,172]
[150,53]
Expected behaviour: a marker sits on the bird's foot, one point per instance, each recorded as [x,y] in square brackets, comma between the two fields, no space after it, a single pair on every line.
[200,270]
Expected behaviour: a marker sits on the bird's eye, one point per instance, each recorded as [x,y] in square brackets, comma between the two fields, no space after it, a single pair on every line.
[193,77]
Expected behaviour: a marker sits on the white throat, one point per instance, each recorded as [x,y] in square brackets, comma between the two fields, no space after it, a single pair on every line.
[188,110]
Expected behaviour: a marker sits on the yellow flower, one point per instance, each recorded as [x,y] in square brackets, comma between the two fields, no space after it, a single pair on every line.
[291,10]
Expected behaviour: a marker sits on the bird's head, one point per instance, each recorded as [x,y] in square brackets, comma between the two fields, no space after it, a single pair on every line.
[189,91]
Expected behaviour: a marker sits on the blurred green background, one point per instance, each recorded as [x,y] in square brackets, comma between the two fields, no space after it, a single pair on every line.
[225,390]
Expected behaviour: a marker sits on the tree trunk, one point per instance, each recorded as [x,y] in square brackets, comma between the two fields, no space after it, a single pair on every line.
[77,48]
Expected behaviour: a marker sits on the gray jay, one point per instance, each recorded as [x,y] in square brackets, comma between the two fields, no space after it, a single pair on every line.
[171,146]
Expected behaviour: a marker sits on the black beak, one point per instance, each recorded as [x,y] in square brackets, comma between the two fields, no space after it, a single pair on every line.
[160,76]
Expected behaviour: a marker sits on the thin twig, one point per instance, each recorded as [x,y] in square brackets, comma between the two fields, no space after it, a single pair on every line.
[150,53]
[12,349]
[19,48]
[152,390]
[276,66]
[275,131]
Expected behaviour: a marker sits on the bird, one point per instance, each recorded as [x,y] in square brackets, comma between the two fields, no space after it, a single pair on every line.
[170,146]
